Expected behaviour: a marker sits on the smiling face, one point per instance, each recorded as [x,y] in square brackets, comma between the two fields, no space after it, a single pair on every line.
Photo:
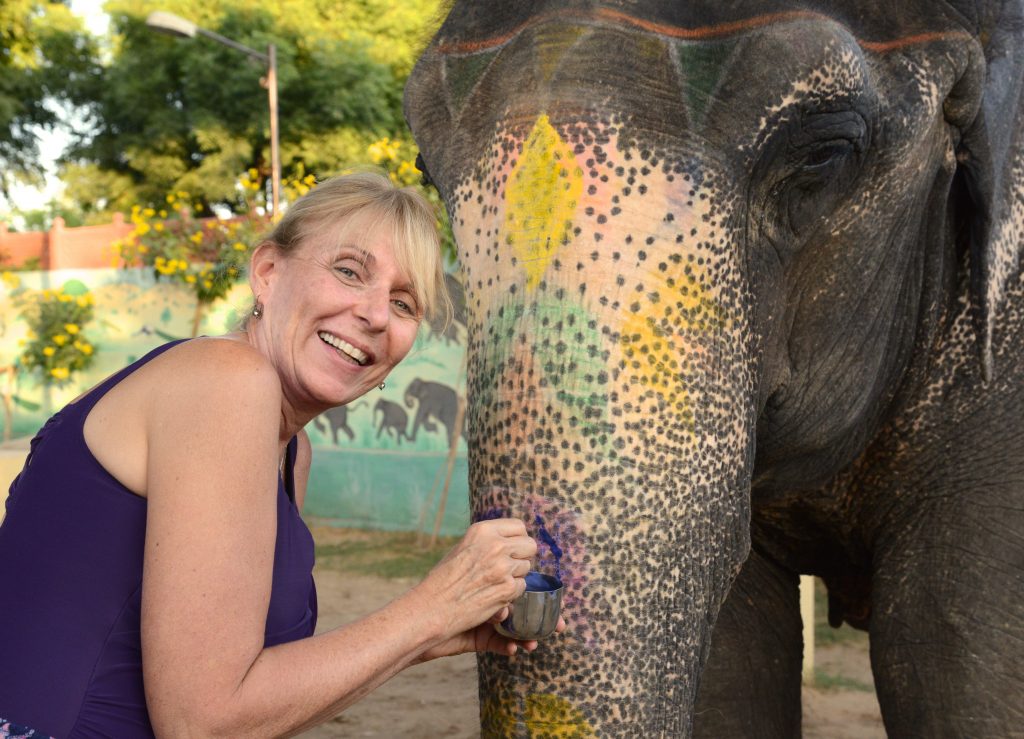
[339,313]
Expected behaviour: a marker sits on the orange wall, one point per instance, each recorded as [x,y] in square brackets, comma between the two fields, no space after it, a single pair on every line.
[86,247]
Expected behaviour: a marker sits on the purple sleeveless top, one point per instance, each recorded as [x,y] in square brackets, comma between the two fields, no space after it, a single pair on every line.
[71,549]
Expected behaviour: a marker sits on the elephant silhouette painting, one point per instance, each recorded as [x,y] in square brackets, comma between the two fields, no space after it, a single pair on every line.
[744,301]
[393,420]
[333,420]
[433,402]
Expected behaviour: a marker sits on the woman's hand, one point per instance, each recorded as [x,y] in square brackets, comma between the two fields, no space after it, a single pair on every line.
[474,583]
[484,638]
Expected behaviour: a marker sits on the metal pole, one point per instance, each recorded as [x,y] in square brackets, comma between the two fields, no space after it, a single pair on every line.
[275,153]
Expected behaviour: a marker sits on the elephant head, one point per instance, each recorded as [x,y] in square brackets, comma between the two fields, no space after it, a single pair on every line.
[704,246]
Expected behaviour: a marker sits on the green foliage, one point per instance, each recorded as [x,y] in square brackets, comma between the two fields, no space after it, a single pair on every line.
[208,256]
[170,114]
[56,346]
[44,54]
[829,681]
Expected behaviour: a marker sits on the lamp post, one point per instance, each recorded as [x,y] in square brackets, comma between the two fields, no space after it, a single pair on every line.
[178,26]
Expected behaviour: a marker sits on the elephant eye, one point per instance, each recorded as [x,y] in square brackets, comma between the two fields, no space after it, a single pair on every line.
[422,167]
[823,156]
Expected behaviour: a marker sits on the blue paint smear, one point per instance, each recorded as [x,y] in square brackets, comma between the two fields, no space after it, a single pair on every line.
[490,514]
[536,582]
[545,536]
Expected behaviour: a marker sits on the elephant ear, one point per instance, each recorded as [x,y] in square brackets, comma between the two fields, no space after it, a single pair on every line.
[991,157]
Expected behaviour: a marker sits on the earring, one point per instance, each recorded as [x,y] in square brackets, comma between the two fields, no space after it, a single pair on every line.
[381,386]
[257,310]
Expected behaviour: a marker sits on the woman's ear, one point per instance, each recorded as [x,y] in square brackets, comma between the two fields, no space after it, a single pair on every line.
[263,265]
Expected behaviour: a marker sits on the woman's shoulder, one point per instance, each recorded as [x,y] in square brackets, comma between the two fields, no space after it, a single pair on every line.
[216,366]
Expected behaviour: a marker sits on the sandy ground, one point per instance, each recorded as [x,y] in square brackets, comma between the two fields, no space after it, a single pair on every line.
[438,699]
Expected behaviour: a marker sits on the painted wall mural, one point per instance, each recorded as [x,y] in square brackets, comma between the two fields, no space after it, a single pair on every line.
[380,462]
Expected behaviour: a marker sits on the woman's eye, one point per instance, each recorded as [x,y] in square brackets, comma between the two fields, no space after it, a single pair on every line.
[404,306]
[345,272]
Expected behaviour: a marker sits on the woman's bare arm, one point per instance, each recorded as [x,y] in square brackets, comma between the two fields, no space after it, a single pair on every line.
[212,451]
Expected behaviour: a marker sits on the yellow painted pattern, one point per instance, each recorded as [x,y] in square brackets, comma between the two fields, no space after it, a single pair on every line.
[541,198]
[659,347]
[545,715]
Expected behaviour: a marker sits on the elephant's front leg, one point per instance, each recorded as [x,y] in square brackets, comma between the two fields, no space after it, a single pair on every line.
[751,683]
[946,604]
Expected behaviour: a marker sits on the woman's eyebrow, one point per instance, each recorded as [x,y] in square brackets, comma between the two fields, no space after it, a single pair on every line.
[364,256]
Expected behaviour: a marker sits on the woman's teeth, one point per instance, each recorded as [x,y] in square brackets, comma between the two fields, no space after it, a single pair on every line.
[344,347]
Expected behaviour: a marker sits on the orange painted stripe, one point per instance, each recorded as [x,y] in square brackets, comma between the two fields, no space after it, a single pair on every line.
[918,39]
[696,34]
[716,31]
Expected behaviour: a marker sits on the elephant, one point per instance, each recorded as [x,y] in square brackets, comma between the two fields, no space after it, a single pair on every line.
[432,400]
[744,301]
[333,420]
[393,419]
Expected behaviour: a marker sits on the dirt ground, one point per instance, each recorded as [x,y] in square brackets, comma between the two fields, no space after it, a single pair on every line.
[438,699]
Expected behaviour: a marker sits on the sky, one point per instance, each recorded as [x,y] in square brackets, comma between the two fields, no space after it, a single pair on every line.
[51,143]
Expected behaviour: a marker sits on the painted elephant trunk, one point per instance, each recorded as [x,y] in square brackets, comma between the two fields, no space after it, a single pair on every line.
[614,415]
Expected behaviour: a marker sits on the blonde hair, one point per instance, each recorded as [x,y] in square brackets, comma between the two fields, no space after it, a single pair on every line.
[410,216]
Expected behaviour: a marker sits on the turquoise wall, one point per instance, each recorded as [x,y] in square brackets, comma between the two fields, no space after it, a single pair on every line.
[368,471]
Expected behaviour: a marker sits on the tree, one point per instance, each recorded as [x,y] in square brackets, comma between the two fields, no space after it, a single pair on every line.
[169,114]
[44,54]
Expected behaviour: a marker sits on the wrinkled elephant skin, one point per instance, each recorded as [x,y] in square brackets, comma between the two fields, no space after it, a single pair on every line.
[743,301]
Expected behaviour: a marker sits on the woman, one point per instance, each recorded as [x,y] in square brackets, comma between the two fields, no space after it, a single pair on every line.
[156,571]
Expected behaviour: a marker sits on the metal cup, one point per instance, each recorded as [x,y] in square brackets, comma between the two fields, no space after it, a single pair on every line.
[534,614]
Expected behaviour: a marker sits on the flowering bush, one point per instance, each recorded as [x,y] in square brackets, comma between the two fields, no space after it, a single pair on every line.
[56,344]
[208,256]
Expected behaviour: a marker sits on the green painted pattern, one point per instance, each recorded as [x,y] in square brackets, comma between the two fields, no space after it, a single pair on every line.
[702,65]
[463,72]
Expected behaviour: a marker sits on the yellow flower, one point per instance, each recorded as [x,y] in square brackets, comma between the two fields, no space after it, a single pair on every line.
[49,351]
[83,301]
[66,298]
[142,247]
[196,238]
[71,328]
[253,174]
[182,195]
[158,227]
[207,284]
[238,246]
[60,339]
[11,280]
[190,279]
[61,373]
[163,213]
[135,209]
[182,264]
[86,349]
[159,261]
[148,212]
[170,198]
[141,230]
[232,271]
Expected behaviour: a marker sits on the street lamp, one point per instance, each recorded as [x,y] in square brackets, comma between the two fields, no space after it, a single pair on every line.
[178,26]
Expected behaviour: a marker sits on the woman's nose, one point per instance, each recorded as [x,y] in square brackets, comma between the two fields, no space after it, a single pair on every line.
[374,308]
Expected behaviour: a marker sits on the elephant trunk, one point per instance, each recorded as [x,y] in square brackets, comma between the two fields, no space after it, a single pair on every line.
[611,406]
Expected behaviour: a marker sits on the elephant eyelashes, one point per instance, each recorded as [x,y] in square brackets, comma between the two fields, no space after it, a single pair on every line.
[821,158]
